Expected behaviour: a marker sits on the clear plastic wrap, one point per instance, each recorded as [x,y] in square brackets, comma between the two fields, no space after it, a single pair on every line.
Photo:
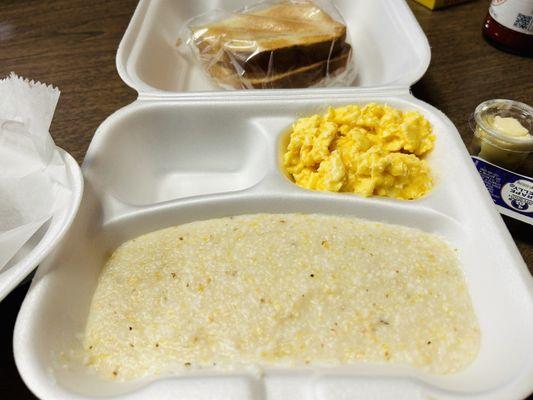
[273,44]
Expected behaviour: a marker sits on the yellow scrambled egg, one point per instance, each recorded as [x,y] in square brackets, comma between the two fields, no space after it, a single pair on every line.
[369,150]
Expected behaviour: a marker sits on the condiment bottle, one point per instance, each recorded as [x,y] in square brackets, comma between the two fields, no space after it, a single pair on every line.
[502,132]
[509,26]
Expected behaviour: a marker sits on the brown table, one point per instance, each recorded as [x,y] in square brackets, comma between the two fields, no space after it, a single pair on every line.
[72,44]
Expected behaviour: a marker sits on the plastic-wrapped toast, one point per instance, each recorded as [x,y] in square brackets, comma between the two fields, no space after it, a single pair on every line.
[280,44]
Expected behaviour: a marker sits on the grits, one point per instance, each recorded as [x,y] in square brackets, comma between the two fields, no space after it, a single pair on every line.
[280,290]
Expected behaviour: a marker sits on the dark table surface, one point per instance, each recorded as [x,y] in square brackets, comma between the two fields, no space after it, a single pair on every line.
[72,44]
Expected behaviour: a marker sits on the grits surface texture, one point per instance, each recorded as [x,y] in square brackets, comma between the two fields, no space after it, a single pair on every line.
[280,290]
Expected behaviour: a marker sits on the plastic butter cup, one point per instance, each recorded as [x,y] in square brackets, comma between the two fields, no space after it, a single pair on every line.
[500,135]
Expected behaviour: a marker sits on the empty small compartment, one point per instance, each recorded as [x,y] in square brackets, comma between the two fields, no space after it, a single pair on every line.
[157,154]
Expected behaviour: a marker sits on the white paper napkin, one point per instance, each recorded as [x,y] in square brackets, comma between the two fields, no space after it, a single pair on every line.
[33,176]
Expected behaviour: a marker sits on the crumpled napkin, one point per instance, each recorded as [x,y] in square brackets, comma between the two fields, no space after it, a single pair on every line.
[33,176]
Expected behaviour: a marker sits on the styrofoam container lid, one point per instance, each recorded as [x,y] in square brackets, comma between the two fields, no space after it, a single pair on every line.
[390,48]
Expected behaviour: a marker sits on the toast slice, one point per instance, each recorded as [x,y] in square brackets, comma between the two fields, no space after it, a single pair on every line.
[272,40]
[297,78]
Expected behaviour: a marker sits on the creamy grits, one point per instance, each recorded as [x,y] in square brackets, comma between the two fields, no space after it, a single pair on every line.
[280,290]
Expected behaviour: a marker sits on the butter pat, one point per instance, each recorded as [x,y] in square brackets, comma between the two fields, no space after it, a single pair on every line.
[498,151]
[509,126]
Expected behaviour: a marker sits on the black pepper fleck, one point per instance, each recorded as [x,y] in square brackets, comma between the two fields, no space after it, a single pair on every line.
[312,275]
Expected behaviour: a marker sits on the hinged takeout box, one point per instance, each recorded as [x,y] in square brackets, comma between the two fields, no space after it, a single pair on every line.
[184,151]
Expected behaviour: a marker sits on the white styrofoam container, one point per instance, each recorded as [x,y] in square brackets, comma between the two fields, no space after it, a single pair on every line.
[184,152]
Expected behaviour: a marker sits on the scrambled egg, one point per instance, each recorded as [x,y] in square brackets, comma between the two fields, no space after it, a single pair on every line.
[369,150]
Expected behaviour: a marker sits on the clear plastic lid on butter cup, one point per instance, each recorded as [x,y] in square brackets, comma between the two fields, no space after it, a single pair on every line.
[496,146]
